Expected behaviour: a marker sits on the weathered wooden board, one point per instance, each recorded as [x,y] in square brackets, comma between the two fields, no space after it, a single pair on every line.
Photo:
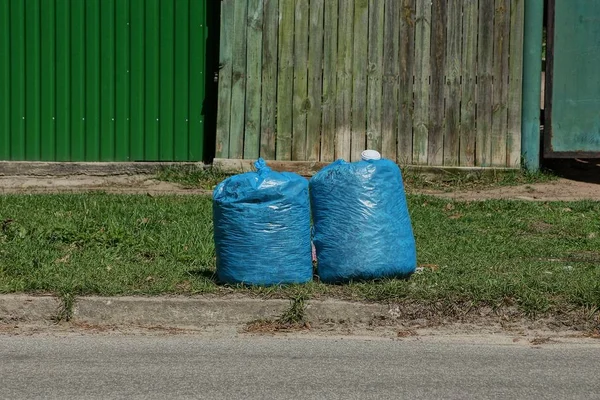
[225,58]
[315,81]
[270,34]
[343,113]
[330,52]
[407,79]
[300,91]
[253,79]
[468,128]
[435,145]
[452,92]
[359,78]
[285,80]
[375,74]
[390,79]
[515,83]
[238,80]
[422,85]
[500,82]
[485,70]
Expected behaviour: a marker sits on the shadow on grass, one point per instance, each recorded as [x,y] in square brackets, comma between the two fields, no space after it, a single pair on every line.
[581,170]
[205,274]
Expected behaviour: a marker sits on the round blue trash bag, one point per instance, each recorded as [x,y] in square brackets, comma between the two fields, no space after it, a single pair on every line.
[362,228]
[262,228]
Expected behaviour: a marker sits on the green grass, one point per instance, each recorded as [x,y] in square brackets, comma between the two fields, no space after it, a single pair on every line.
[473,180]
[105,244]
[446,180]
[192,176]
[536,257]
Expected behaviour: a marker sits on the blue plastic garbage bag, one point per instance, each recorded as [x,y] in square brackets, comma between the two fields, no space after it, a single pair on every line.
[362,228]
[262,228]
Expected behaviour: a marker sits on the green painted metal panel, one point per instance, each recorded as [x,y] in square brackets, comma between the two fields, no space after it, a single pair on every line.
[122,74]
[107,81]
[181,93]
[78,73]
[48,82]
[32,79]
[165,119]
[152,144]
[137,77]
[198,38]
[532,72]
[4,80]
[63,80]
[575,120]
[92,80]
[17,80]
[102,80]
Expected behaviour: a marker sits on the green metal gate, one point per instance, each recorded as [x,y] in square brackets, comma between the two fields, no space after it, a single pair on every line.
[102,80]
[572,126]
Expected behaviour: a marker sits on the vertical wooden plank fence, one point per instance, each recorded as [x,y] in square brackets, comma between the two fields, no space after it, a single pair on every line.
[430,82]
[328,109]
[405,134]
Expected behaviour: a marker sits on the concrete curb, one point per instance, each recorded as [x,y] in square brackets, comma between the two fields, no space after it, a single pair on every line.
[184,311]
[174,311]
[346,311]
[28,308]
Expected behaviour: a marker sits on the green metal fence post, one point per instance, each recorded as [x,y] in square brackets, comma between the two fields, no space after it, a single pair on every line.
[532,83]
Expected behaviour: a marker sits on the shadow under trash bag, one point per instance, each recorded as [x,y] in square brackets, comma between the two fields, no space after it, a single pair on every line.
[362,229]
[262,228]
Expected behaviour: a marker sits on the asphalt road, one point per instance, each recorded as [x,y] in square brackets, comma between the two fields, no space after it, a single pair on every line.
[172,367]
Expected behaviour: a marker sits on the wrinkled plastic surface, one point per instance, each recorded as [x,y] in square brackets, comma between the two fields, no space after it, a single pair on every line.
[262,228]
[362,228]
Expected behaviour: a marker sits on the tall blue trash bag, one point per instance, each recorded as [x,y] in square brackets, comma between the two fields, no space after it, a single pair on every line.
[362,229]
[262,228]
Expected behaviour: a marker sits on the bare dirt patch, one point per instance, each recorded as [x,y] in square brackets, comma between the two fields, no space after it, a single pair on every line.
[271,327]
[559,190]
[541,340]
[117,184]
[406,333]
[540,227]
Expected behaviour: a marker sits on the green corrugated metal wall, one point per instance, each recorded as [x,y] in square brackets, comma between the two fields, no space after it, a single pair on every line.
[102,80]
